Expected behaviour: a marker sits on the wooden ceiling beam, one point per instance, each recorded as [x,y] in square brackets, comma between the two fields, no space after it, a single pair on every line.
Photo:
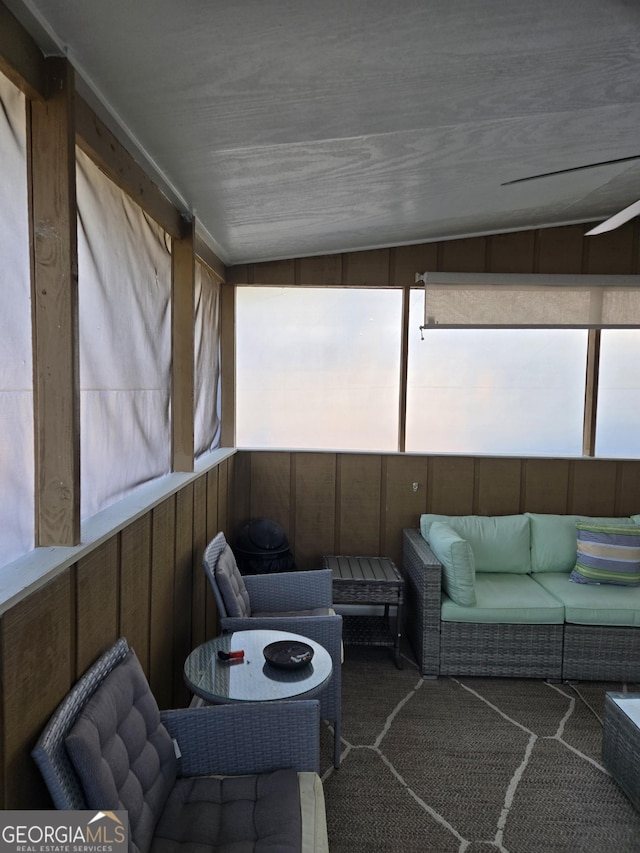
[108,153]
[21,60]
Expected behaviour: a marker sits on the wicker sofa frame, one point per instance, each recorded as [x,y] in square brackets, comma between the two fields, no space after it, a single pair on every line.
[556,652]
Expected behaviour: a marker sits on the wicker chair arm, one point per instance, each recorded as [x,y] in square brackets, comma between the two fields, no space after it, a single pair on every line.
[246,738]
[302,590]
[423,576]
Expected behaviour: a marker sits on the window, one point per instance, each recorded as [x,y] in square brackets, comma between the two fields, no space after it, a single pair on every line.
[318,368]
[507,391]
[618,418]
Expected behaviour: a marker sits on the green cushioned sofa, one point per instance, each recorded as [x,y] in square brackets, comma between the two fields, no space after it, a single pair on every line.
[494,595]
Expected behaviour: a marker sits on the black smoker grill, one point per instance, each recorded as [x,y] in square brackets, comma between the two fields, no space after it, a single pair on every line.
[262,547]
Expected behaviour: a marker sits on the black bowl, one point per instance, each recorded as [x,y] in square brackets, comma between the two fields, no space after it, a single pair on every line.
[288,654]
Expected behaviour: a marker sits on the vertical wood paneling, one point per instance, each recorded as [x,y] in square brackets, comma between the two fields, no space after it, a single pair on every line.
[611,253]
[593,487]
[224,496]
[512,252]
[135,568]
[409,260]
[281,273]
[497,488]
[241,513]
[213,528]
[320,271]
[403,506]
[370,268]
[212,521]
[98,603]
[37,671]
[451,485]
[546,485]
[463,255]
[560,250]
[358,504]
[315,504]
[163,547]
[183,592]
[271,488]
[200,542]
[628,499]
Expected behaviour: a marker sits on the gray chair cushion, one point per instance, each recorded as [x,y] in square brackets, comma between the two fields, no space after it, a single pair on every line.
[122,753]
[231,585]
[243,814]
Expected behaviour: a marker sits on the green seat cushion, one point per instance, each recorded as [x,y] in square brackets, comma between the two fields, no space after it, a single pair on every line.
[506,598]
[456,557]
[592,604]
[607,554]
[500,543]
[553,539]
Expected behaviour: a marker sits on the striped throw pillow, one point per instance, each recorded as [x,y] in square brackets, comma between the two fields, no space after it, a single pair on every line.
[607,554]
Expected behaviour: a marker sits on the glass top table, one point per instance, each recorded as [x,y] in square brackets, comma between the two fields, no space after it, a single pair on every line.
[252,679]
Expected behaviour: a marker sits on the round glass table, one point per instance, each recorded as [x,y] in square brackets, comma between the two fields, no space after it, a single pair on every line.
[252,679]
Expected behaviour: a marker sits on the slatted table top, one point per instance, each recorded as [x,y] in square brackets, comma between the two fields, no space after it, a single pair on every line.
[360,579]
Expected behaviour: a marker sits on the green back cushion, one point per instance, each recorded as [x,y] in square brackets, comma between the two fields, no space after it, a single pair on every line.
[458,568]
[428,518]
[499,543]
[553,539]
[607,554]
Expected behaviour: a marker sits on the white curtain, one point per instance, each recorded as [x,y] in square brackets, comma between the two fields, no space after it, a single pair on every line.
[16,369]
[124,266]
[207,362]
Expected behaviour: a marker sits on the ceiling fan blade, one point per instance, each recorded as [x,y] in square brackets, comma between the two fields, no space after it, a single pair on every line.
[571,169]
[616,220]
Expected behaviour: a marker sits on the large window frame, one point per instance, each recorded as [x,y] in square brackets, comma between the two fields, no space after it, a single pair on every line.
[409,329]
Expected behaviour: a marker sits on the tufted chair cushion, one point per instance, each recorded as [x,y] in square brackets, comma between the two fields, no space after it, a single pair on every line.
[122,753]
[231,585]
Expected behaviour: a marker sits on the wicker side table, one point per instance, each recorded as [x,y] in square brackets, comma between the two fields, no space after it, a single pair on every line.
[621,742]
[366,581]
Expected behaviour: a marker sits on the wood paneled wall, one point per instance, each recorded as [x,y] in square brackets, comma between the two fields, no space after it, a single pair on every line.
[147,584]
[358,503]
[561,250]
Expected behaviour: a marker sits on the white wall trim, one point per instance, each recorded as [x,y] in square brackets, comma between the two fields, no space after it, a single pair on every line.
[40,566]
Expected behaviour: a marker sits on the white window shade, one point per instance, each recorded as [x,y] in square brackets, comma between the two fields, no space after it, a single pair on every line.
[487,300]
[16,366]
[207,362]
[124,285]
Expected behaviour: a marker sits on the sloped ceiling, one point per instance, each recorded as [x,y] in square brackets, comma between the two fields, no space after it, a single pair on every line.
[294,128]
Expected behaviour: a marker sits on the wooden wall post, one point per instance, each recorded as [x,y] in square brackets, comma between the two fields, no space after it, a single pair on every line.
[182,344]
[228,364]
[591,393]
[53,235]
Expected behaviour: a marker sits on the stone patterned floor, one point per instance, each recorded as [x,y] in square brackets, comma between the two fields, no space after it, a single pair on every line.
[471,764]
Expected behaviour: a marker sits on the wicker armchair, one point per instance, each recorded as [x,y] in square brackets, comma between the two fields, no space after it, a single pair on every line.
[108,746]
[299,602]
